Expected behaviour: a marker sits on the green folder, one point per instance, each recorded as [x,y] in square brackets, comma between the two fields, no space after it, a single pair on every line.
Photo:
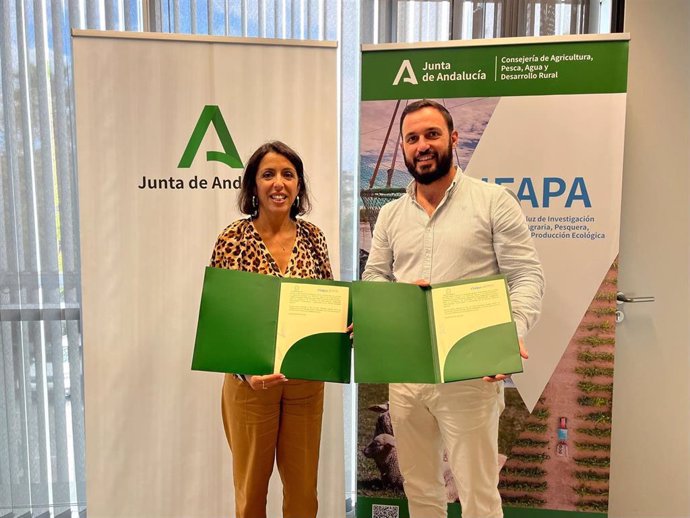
[447,332]
[261,324]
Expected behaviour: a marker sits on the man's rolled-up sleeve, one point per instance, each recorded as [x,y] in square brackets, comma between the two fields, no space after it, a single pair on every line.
[379,265]
[518,261]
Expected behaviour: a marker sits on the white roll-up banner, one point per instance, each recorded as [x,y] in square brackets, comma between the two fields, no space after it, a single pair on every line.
[164,126]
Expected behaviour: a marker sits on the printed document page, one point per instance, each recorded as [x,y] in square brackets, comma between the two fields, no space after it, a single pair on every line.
[308,309]
[464,308]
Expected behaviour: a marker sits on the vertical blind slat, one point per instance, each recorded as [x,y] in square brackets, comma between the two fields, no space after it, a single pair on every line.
[8,157]
[28,473]
[65,243]
[33,353]
[92,15]
[48,340]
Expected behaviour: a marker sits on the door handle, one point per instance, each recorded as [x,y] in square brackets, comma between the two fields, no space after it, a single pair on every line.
[622,298]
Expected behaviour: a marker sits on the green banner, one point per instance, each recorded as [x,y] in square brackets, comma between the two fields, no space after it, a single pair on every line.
[370,507]
[496,70]
[545,118]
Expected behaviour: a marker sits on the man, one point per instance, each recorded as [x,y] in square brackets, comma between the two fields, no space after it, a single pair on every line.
[449,226]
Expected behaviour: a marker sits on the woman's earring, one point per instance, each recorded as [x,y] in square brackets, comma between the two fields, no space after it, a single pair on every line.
[255,206]
[296,204]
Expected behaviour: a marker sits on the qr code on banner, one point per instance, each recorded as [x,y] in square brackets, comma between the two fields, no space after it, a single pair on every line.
[385,511]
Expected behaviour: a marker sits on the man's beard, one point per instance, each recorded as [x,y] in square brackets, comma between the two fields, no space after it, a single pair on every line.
[443,167]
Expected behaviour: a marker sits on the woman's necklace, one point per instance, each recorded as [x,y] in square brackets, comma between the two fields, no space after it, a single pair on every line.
[285,244]
[281,240]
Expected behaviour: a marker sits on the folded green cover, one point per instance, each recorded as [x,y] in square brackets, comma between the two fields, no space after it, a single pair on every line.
[261,324]
[447,332]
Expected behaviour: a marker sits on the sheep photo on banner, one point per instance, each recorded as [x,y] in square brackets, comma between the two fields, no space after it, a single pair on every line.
[544,117]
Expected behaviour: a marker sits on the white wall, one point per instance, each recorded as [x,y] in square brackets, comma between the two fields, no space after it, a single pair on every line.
[651,437]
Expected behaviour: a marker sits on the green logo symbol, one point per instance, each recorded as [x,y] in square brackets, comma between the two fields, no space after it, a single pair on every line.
[229,156]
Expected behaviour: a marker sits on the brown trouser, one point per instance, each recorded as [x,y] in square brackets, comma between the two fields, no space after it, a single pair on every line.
[281,423]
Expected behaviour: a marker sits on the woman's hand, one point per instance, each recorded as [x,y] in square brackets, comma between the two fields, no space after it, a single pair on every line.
[265,381]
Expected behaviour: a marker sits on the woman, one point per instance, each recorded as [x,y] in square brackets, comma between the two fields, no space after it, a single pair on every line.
[267,417]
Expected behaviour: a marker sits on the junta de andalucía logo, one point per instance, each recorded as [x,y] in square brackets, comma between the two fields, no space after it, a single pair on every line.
[229,156]
[210,116]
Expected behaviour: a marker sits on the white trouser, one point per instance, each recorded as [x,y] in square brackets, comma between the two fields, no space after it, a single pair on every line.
[463,418]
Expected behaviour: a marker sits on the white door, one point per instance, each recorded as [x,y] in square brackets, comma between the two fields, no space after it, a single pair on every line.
[651,405]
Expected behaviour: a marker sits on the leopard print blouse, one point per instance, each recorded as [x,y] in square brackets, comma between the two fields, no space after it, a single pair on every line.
[240,247]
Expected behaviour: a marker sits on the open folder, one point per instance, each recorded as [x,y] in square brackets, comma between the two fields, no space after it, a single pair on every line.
[261,324]
[447,332]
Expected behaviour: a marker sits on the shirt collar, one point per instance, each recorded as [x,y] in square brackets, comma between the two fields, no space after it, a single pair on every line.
[412,192]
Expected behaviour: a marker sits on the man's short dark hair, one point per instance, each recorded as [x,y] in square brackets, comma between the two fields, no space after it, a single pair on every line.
[427,103]
[248,189]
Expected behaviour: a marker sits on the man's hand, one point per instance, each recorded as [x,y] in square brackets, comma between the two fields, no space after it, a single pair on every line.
[501,377]
[523,349]
[350,329]
[266,381]
[421,283]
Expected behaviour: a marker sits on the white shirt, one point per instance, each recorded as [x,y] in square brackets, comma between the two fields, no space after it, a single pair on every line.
[478,229]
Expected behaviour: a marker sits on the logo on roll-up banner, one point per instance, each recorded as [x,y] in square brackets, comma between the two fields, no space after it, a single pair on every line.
[210,115]
[405,68]
[229,156]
